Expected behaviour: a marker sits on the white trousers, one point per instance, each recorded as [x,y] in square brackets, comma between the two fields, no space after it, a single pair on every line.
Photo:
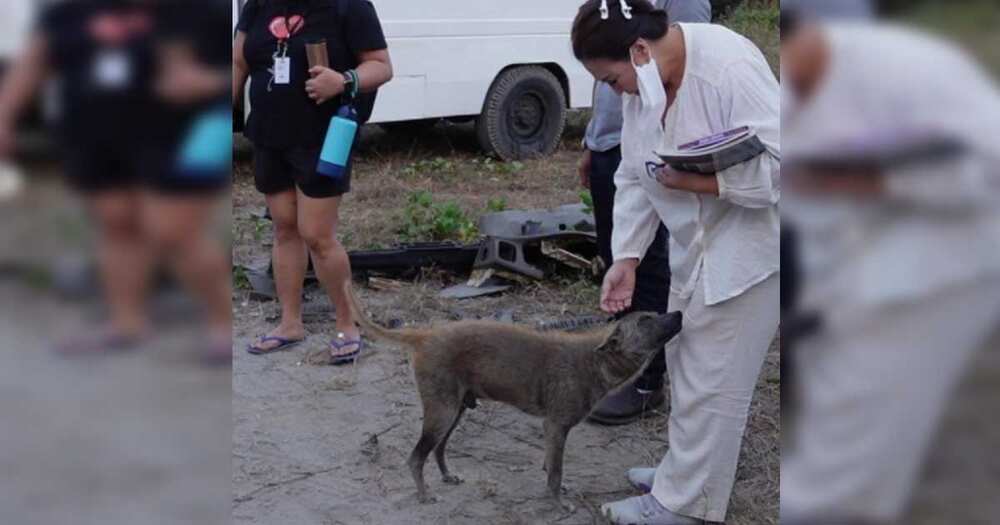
[713,365]
[869,397]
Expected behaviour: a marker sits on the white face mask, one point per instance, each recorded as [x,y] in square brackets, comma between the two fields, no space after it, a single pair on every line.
[651,91]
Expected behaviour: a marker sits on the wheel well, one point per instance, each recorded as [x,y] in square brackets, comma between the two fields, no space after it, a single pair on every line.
[553,68]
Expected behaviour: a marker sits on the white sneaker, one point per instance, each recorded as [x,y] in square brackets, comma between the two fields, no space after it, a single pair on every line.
[641,478]
[644,510]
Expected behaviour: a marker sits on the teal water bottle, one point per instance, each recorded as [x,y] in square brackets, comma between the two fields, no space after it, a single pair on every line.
[336,152]
[206,151]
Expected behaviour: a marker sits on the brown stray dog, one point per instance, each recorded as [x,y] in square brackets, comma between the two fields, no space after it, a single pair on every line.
[556,376]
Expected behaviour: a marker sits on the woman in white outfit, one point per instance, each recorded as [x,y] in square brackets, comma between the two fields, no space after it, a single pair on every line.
[900,263]
[679,83]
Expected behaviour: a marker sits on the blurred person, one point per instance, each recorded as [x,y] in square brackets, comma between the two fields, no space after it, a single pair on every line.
[900,263]
[287,125]
[681,82]
[601,156]
[132,76]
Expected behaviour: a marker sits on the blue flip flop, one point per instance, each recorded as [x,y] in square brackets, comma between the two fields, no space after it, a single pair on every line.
[283,344]
[348,358]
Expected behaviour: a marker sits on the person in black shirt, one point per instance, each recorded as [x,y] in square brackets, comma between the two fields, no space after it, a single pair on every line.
[135,75]
[291,106]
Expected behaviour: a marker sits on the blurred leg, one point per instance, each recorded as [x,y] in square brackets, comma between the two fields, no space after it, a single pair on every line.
[180,228]
[124,257]
[869,398]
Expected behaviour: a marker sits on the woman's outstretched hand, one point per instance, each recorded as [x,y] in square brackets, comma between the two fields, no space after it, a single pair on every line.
[619,285]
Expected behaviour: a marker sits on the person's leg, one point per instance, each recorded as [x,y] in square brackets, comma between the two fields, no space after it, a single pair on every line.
[602,192]
[652,290]
[646,508]
[274,176]
[713,370]
[869,397]
[289,260]
[318,219]
[124,258]
[179,228]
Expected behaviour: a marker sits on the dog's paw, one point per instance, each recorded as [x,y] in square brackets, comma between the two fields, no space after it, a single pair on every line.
[568,489]
[568,507]
[426,499]
[452,479]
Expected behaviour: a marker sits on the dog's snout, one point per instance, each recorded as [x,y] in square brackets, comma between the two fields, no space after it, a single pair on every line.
[673,319]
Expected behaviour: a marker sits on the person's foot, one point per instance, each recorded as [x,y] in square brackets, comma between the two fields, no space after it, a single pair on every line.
[344,349]
[281,338]
[644,510]
[641,478]
[218,349]
[108,340]
[627,405]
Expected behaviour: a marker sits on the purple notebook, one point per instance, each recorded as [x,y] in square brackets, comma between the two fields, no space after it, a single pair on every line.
[712,154]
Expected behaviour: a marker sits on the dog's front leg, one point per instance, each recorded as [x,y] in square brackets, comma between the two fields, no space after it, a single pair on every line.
[555,442]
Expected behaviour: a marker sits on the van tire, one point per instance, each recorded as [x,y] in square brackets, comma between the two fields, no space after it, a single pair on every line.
[524,114]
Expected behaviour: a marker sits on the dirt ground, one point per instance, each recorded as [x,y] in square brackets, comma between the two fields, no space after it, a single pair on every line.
[317,444]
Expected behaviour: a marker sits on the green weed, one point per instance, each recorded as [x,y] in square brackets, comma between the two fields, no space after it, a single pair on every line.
[587,201]
[496,205]
[424,219]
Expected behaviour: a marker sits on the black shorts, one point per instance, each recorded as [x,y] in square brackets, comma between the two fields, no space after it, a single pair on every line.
[109,168]
[278,170]
[101,169]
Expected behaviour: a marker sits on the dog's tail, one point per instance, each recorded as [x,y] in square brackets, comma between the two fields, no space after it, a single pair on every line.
[411,337]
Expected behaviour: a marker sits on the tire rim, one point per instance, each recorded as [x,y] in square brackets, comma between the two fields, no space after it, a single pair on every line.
[526,116]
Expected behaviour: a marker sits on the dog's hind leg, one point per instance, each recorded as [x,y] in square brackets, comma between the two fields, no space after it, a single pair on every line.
[439,416]
[446,476]
[555,442]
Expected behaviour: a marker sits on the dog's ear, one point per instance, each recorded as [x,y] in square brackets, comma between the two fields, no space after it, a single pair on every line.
[612,342]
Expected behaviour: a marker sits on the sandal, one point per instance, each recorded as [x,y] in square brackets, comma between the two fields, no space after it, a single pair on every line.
[283,344]
[218,354]
[100,343]
[343,359]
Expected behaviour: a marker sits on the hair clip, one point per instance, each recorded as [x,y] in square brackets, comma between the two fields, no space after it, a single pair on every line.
[626,10]
[605,14]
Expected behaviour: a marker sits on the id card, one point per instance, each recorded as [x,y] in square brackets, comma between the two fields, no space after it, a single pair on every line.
[112,69]
[282,70]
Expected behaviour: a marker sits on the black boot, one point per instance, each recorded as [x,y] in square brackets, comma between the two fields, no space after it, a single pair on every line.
[627,405]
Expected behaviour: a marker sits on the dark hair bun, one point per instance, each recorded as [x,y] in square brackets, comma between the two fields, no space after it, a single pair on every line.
[595,38]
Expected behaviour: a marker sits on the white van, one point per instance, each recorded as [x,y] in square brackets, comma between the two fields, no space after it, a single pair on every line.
[509,65]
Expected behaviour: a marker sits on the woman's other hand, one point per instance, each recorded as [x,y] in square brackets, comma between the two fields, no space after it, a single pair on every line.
[687,181]
[324,85]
